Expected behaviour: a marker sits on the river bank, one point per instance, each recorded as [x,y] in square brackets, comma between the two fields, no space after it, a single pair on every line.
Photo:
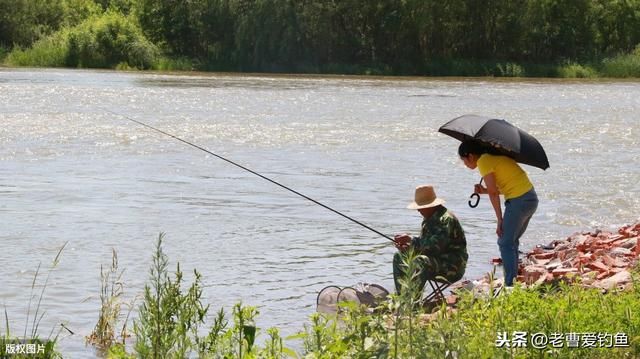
[54,54]
[417,38]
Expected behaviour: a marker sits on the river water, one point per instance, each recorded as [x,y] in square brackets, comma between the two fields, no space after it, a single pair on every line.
[73,172]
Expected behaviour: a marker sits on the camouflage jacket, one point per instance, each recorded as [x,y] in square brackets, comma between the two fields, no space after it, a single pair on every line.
[442,238]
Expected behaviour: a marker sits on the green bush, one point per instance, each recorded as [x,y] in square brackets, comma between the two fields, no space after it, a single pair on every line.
[50,51]
[576,71]
[622,66]
[169,318]
[105,41]
[108,41]
[178,64]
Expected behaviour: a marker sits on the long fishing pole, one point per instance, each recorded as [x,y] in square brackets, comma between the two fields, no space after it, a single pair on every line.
[249,170]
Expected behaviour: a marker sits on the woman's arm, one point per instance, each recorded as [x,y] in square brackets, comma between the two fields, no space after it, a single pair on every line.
[494,196]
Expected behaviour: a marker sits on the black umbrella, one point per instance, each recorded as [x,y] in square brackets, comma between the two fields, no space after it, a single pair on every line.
[503,137]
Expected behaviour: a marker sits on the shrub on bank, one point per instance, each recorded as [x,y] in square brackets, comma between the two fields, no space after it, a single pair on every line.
[169,64]
[109,41]
[573,70]
[105,41]
[50,51]
[622,66]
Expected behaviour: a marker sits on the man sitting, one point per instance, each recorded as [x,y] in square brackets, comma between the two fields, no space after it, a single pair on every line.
[441,245]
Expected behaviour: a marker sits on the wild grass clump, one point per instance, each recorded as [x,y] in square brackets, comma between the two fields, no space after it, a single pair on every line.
[107,331]
[164,63]
[574,70]
[622,66]
[509,69]
[3,53]
[31,344]
[464,67]
[50,51]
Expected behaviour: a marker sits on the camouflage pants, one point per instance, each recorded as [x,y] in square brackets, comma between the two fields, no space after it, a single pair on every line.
[430,269]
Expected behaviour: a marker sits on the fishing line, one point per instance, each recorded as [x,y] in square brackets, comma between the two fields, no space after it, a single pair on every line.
[249,170]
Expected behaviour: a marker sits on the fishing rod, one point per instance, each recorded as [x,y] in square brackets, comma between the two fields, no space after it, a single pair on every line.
[249,170]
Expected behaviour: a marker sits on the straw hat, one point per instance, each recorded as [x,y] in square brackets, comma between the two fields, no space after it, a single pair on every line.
[425,198]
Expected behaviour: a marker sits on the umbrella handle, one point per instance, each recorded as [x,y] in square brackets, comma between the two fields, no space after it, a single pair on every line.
[476,196]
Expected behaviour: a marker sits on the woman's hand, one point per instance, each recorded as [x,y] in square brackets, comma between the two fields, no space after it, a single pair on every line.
[499,228]
[402,241]
[478,188]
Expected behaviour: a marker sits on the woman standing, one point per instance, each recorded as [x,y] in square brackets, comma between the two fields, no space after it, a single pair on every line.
[503,175]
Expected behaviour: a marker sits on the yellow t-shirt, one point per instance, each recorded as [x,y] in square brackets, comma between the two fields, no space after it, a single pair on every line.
[511,180]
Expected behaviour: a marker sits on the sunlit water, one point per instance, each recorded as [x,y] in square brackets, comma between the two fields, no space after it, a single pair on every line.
[71,172]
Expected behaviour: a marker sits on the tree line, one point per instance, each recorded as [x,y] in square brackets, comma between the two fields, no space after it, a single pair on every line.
[385,36]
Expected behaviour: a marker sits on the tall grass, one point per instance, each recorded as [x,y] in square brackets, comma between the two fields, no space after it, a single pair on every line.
[50,51]
[107,330]
[3,53]
[622,66]
[574,70]
[164,63]
[31,335]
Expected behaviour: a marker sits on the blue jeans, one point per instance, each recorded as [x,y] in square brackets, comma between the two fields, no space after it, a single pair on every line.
[517,213]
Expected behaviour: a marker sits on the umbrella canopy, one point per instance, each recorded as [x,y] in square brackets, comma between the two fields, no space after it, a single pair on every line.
[504,137]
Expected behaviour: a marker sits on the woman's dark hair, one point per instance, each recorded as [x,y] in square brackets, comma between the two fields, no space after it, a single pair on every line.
[468,147]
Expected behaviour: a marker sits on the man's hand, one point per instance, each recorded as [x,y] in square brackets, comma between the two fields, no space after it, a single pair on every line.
[402,241]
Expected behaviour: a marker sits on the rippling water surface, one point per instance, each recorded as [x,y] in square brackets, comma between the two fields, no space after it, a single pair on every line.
[71,171]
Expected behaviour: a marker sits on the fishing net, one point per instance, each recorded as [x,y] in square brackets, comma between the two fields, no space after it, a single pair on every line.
[366,294]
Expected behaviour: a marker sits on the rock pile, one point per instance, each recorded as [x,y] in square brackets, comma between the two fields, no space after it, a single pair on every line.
[600,259]
[596,259]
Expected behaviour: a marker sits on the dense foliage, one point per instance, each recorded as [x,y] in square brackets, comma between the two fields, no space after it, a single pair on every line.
[484,37]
